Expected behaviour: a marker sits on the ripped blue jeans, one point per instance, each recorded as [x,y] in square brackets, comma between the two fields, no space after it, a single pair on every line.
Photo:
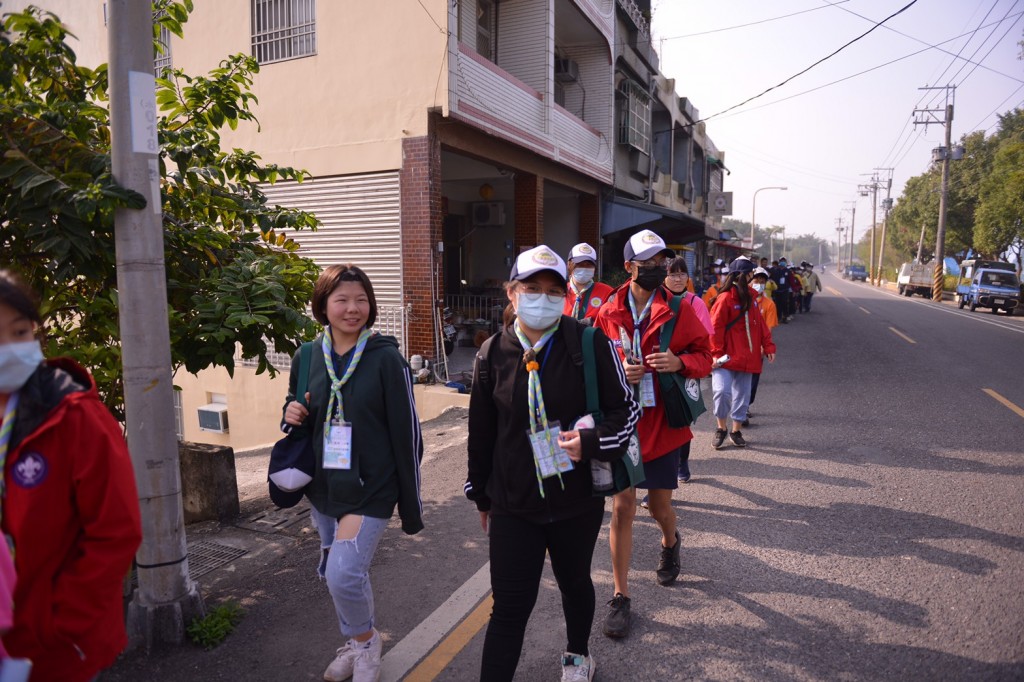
[348,571]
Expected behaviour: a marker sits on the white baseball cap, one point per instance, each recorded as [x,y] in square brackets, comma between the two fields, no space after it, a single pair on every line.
[759,271]
[583,252]
[535,260]
[645,245]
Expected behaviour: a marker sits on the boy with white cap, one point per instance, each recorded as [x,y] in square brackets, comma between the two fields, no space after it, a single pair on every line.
[633,318]
[584,296]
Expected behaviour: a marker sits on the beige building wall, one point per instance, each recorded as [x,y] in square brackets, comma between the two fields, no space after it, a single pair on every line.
[380,66]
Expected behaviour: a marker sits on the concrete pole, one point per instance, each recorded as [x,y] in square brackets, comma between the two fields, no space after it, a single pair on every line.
[874,222]
[940,232]
[166,599]
[886,207]
[920,242]
[853,221]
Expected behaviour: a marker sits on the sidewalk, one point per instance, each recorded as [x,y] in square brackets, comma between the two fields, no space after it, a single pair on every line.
[266,561]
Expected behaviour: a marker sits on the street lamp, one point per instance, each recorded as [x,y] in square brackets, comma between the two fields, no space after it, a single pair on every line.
[753,213]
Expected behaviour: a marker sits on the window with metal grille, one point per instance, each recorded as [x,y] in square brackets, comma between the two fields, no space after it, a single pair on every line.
[283,29]
[162,59]
[635,118]
[179,416]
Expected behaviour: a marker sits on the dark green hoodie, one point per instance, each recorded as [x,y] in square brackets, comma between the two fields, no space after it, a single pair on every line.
[386,443]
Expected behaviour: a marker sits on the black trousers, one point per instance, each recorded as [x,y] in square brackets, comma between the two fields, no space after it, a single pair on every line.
[807,302]
[517,555]
[753,387]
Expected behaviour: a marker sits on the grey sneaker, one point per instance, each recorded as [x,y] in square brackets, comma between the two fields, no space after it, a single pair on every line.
[618,620]
[367,667]
[718,439]
[737,439]
[343,664]
[576,668]
[668,566]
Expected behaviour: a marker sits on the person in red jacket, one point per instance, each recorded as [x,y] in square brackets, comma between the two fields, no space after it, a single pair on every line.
[633,318]
[584,297]
[741,335]
[70,506]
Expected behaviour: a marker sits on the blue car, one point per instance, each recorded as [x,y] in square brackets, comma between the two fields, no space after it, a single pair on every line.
[855,272]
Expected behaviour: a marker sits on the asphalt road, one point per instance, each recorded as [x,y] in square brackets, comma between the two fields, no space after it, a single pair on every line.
[873,529]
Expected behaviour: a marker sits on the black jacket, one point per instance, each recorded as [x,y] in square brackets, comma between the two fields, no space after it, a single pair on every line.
[502,476]
[386,443]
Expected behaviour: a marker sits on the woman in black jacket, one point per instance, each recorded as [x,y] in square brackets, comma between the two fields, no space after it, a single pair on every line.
[530,461]
[366,439]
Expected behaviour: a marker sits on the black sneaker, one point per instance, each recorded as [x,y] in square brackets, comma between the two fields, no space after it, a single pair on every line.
[718,439]
[668,566]
[683,475]
[618,620]
[737,439]
[745,423]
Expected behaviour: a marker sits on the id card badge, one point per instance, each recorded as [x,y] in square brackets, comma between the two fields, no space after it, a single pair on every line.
[338,446]
[551,459]
[647,390]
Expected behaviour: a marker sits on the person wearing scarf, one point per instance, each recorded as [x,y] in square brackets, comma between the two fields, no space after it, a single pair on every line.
[366,439]
[532,446]
[585,295]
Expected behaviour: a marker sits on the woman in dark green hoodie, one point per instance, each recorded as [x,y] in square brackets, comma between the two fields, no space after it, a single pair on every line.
[366,437]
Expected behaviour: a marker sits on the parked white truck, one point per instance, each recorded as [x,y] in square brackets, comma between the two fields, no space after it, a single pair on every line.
[915,278]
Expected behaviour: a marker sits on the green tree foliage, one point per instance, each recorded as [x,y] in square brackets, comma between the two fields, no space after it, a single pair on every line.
[1001,211]
[233,275]
[974,181]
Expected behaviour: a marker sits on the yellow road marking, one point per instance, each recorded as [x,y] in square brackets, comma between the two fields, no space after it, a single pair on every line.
[834,291]
[434,664]
[866,311]
[1004,401]
[901,335]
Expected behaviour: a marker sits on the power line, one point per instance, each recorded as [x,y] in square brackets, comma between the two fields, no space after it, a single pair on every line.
[998,107]
[963,47]
[823,59]
[924,42]
[994,46]
[752,23]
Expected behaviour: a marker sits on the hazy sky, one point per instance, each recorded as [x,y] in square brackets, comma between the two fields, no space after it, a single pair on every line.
[822,144]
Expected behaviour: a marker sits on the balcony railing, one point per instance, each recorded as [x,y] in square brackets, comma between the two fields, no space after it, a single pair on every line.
[637,15]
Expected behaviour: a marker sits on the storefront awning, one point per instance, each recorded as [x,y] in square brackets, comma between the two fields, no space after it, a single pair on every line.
[620,214]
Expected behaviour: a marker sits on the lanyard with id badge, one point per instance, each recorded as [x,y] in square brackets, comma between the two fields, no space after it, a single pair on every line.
[548,456]
[337,431]
[647,381]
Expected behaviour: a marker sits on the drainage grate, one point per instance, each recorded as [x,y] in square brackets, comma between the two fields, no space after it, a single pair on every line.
[205,556]
[289,521]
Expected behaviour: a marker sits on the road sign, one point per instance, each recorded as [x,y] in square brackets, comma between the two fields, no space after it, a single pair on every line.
[720,203]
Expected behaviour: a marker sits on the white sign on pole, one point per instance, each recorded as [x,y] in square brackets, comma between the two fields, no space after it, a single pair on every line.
[720,203]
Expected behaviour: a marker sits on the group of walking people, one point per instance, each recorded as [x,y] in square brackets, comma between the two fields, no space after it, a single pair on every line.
[537,444]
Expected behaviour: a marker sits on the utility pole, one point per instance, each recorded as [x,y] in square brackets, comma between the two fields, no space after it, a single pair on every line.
[920,243]
[929,117]
[853,221]
[166,599]
[886,207]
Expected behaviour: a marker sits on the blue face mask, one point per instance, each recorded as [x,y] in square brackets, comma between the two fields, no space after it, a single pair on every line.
[583,276]
[539,311]
[17,363]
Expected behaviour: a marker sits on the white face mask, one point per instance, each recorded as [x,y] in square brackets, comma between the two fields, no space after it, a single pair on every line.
[17,363]
[758,287]
[583,276]
[539,311]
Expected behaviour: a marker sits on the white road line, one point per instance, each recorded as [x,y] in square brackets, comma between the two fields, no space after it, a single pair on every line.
[866,311]
[1009,326]
[404,656]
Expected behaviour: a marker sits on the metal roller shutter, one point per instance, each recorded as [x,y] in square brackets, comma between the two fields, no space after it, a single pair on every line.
[361,224]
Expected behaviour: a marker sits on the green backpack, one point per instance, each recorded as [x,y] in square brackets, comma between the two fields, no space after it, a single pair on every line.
[681,396]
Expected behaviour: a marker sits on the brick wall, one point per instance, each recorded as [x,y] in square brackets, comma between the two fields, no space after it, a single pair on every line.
[529,208]
[420,182]
[590,220]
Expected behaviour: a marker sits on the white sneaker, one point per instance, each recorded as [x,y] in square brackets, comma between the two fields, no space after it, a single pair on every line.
[343,664]
[367,668]
[576,668]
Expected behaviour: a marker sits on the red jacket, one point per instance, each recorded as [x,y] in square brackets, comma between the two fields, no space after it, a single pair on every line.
[72,512]
[747,340]
[689,341]
[592,300]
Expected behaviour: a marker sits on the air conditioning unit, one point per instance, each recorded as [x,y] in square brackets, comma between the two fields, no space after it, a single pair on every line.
[566,71]
[213,418]
[489,214]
